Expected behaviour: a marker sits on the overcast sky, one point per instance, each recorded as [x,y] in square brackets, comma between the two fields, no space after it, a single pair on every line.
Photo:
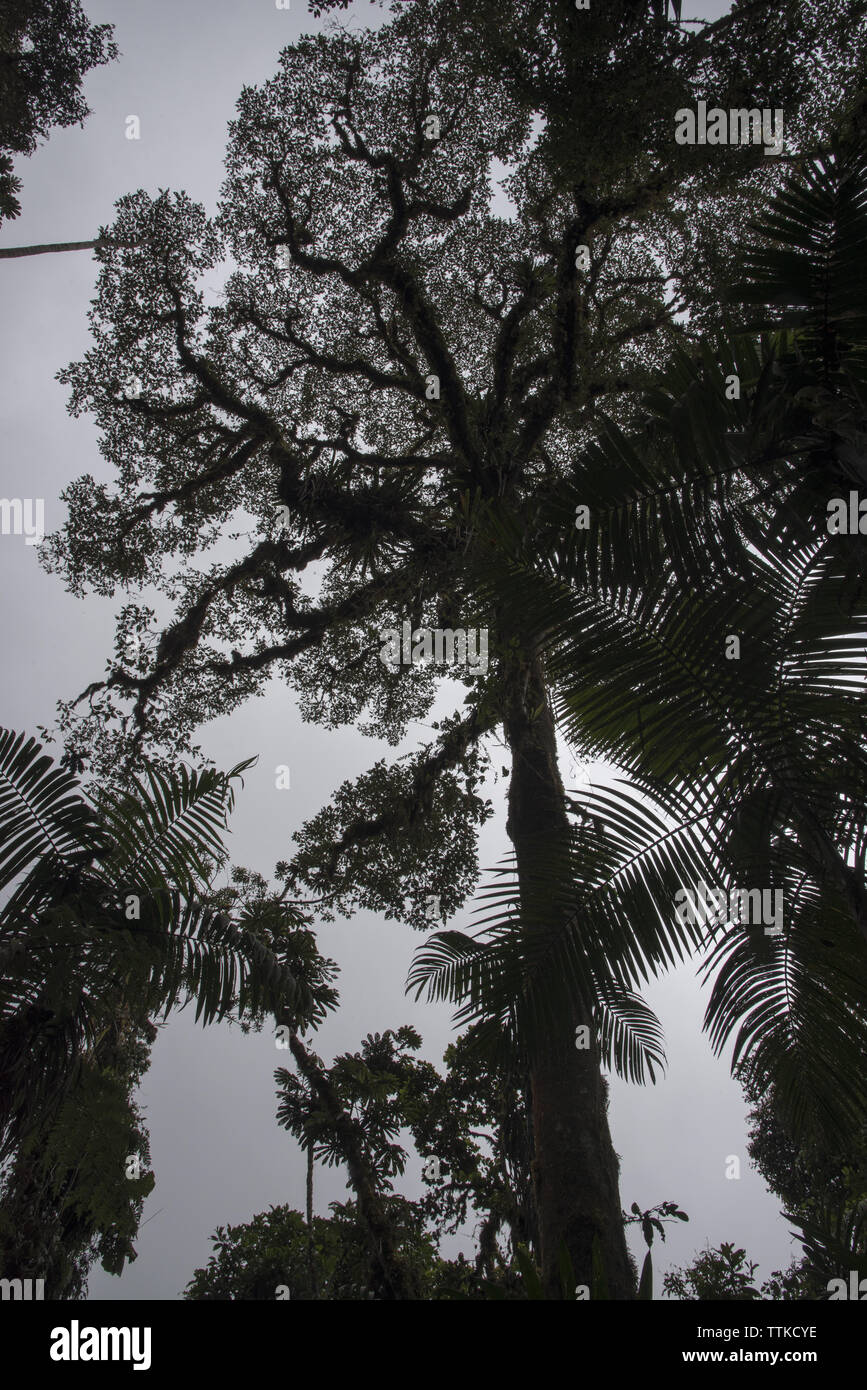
[208,1098]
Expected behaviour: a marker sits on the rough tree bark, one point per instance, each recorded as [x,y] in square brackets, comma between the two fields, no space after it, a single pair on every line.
[311,1240]
[575,1168]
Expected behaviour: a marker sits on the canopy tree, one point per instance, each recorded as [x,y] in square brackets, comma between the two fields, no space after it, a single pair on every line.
[46,48]
[726,679]
[304,464]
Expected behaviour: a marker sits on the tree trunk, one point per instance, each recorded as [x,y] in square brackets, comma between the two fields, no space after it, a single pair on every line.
[311,1243]
[8,252]
[48,248]
[575,1167]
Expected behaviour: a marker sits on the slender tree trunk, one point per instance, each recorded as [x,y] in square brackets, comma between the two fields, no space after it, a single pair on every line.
[8,252]
[52,247]
[311,1244]
[575,1166]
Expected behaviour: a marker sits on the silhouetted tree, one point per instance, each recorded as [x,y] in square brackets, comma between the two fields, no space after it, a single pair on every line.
[46,48]
[391,359]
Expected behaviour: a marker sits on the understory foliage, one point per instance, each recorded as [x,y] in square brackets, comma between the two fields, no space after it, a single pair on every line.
[109,921]
[724,1273]
[470,1124]
[270,1257]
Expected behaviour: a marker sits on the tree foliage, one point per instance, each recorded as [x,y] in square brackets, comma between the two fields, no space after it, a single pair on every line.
[110,919]
[468,1125]
[823,1190]
[68,1195]
[267,1257]
[46,48]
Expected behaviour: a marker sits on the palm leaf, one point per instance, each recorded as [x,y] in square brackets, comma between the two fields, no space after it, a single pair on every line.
[42,812]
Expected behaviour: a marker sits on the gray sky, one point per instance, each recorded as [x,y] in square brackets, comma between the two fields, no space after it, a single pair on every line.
[209,1100]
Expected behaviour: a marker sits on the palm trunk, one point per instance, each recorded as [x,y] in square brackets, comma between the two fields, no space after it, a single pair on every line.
[575,1167]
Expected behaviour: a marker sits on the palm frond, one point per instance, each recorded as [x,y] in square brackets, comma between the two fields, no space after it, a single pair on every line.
[42,812]
[166,830]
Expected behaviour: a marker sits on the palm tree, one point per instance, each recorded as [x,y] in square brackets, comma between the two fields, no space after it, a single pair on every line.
[109,921]
[744,762]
